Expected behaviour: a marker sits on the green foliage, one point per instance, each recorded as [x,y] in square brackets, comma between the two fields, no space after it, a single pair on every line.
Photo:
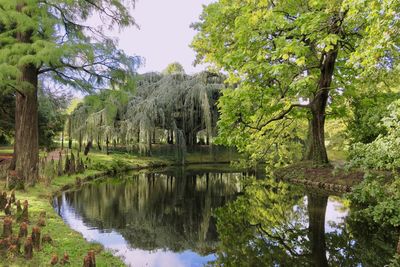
[378,199]
[383,153]
[52,116]
[278,142]
[276,52]
[369,110]
[115,166]
[55,38]
[7,110]
[51,112]
[174,68]
[261,228]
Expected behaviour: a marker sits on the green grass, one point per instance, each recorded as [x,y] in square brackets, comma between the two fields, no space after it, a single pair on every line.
[64,238]
[6,150]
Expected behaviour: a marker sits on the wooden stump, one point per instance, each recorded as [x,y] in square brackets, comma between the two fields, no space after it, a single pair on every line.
[36,237]
[18,204]
[28,248]
[12,196]
[23,230]
[25,214]
[89,260]
[54,259]
[7,209]
[12,251]
[46,239]
[3,200]
[7,227]
[65,259]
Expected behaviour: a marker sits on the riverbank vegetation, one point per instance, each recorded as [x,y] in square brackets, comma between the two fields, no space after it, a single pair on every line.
[308,88]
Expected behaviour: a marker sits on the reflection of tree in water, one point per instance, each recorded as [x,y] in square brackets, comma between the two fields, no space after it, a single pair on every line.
[273,224]
[157,210]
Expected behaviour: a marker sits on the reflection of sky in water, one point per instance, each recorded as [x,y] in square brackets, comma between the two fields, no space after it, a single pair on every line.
[335,212]
[112,240]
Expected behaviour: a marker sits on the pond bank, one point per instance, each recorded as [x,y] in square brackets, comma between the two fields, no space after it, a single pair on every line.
[326,177]
[64,239]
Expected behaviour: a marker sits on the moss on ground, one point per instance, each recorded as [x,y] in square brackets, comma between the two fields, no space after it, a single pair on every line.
[65,239]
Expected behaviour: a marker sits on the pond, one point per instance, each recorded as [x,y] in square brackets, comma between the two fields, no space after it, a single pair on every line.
[168,218]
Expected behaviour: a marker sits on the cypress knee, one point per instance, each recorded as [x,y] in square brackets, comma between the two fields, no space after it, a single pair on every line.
[36,237]
[7,227]
[46,239]
[65,259]
[23,230]
[3,200]
[89,260]
[7,209]
[54,259]
[14,241]
[12,196]
[19,209]
[25,214]
[12,251]
[28,248]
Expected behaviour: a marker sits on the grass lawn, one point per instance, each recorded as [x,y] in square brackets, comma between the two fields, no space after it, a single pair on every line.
[65,239]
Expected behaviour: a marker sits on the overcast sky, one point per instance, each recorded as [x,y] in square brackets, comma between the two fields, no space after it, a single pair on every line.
[164,35]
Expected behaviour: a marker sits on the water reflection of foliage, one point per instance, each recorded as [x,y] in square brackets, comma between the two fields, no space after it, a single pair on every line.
[155,211]
[272,224]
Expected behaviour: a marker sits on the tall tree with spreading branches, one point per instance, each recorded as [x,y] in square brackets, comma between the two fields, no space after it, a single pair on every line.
[294,60]
[51,40]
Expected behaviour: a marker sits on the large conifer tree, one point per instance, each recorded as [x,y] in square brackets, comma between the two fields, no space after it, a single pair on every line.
[51,39]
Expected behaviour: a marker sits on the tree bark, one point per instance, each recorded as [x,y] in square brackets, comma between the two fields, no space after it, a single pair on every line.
[80,141]
[88,147]
[107,142]
[69,133]
[26,143]
[62,139]
[398,247]
[316,150]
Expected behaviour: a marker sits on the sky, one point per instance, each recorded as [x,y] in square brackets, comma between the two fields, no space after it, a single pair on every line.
[164,35]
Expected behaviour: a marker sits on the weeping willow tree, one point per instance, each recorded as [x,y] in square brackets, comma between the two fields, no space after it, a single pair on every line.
[177,105]
[171,107]
[98,118]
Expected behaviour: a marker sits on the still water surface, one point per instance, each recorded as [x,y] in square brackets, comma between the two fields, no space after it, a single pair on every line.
[166,218]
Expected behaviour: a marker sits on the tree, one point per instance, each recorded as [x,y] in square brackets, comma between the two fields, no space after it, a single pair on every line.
[51,115]
[174,68]
[51,41]
[292,61]
[7,109]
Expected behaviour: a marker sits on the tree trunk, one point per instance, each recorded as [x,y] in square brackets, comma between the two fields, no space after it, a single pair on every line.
[316,213]
[80,141]
[99,142]
[398,246]
[62,139]
[88,147]
[107,142]
[69,133]
[26,143]
[316,150]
